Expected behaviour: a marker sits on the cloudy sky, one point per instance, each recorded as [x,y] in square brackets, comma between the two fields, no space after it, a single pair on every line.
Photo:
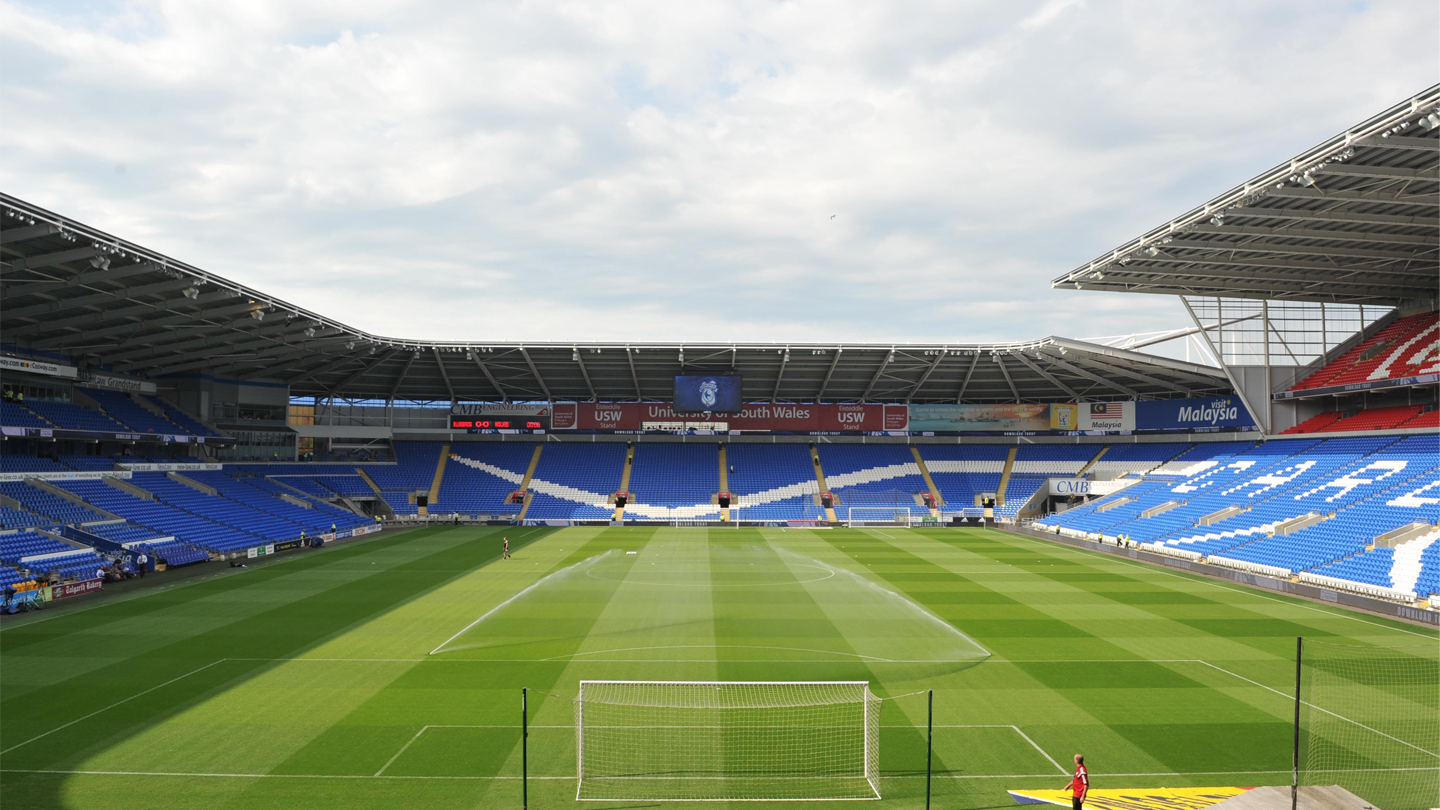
[806,171]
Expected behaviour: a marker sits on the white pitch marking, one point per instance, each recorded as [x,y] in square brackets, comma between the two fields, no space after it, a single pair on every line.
[1203,580]
[194,774]
[112,705]
[402,750]
[1317,708]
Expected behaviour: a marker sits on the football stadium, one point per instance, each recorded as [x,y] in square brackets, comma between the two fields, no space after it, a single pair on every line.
[255,557]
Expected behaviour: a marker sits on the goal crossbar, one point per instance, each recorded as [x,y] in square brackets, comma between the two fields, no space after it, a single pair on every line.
[726,741]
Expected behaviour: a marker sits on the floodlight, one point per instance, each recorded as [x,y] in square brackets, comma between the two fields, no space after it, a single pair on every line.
[310,332]
[257,314]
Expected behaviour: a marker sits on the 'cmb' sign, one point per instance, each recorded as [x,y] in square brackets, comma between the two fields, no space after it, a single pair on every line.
[1069,486]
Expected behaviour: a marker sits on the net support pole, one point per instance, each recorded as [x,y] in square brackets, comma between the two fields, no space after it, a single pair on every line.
[1295,752]
[524,748]
[929,740]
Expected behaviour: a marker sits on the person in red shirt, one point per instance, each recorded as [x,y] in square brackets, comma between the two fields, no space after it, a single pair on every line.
[1080,783]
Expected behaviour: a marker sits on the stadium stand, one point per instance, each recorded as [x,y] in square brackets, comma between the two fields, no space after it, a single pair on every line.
[121,532]
[11,518]
[76,417]
[88,463]
[21,463]
[173,553]
[69,563]
[961,472]
[674,480]
[772,482]
[574,481]
[118,406]
[1295,506]
[412,471]
[163,518]
[53,507]
[873,475]
[1135,459]
[190,424]
[479,478]
[1407,347]
[15,545]
[1399,416]
[16,415]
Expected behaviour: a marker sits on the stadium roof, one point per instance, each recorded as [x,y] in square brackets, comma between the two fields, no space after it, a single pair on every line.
[1354,220]
[72,290]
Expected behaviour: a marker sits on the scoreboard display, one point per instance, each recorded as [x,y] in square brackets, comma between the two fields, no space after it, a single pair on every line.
[486,423]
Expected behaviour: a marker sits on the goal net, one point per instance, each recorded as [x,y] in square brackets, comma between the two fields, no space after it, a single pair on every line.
[1370,722]
[727,741]
[877,516]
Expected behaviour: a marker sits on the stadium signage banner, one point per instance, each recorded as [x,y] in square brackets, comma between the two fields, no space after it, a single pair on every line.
[120,383]
[1395,382]
[763,417]
[1192,414]
[1070,486]
[193,466]
[979,418]
[74,588]
[38,367]
[64,476]
[1107,415]
[493,410]
[260,551]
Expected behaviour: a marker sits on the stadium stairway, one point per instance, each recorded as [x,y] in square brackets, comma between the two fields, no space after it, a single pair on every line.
[1005,476]
[1084,471]
[820,481]
[724,481]
[433,496]
[625,480]
[929,482]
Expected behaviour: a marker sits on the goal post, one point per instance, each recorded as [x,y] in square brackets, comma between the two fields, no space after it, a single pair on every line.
[727,741]
[1367,718]
[858,516]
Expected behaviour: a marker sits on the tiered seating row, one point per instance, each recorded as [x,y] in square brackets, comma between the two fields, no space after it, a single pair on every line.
[1408,347]
[1292,506]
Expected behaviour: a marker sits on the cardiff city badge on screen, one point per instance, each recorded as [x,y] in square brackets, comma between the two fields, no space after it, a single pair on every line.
[717,393]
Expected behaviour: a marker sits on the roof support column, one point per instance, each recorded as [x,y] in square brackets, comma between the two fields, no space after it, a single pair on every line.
[1262,418]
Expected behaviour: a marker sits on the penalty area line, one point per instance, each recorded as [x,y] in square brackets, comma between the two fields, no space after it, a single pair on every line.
[112,705]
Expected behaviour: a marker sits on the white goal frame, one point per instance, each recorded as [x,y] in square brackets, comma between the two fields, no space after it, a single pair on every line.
[868,738]
[897,516]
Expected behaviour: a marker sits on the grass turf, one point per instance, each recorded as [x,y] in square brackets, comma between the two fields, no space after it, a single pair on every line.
[309,683]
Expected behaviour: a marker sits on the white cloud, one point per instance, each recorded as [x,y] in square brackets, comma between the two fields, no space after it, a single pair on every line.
[576,171]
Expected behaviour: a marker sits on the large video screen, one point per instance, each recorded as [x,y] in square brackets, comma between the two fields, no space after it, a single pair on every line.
[716,393]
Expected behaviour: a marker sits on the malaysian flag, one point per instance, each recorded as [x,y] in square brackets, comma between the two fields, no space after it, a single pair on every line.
[1107,410]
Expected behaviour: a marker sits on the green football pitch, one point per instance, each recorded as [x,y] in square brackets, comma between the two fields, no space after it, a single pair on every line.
[387,673]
